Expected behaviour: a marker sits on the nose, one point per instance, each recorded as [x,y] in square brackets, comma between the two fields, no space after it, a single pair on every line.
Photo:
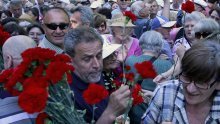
[58,30]
[95,63]
[191,88]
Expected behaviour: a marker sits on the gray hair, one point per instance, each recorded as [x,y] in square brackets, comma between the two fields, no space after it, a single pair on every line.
[86,15]
[136,7]
[206,25]
[79,35]
[151,41]
[15,3]
[194,16]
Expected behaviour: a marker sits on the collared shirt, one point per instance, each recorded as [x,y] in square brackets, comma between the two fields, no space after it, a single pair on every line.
[168,105]
[47,44]
[78,87]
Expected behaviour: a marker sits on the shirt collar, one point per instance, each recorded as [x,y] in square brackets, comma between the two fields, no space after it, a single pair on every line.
[51,46]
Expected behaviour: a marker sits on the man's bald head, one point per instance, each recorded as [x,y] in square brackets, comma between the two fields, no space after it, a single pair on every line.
[13,47]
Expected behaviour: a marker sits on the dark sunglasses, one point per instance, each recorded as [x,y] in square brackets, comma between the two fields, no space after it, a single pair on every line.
[54,26]
[198,35]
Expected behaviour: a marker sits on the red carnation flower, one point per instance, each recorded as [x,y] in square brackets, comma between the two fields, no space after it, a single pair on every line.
[188,6]
[129,76]
[56,71]
[127,67]
[4,36]
[95,94]
[41,118]
[33,99]
[130,15]
[38,54]
[5,75]
[62,58]
[40,82]
[136,95]
[145,69]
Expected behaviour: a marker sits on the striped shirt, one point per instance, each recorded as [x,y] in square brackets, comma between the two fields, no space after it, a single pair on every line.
[47,44]
[168,105]
[11,113]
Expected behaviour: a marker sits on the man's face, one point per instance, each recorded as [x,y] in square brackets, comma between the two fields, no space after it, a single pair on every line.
[188,29]
[75,20]
[144,12]
[56,34]
[154,8]
[123,4]
[87,61]
[16,10]
[165,32]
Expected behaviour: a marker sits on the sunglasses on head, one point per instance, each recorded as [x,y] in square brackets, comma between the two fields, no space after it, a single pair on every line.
[54,26]
[198,35]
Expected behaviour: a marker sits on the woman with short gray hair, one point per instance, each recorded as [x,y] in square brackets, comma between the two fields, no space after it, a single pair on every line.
[151,43]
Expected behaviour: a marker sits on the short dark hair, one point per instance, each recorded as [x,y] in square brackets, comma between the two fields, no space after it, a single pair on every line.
[29,27]
[79,35]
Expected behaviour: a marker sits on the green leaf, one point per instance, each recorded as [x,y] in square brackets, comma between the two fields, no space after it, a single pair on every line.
[18,86]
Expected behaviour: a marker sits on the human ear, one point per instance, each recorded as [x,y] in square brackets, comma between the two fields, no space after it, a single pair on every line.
[8,63]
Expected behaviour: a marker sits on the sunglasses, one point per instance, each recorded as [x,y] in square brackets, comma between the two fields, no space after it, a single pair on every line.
[198,35]
[54,26]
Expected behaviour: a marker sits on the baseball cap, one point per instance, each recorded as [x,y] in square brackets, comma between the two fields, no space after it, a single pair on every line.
[161,21]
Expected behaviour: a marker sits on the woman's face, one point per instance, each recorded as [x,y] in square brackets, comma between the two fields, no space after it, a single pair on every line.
[121,34]
[115,6]
[188,29]
[36,34]
[111,61]
[101,28]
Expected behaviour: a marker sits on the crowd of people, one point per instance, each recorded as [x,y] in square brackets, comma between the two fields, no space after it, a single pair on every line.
[184,49]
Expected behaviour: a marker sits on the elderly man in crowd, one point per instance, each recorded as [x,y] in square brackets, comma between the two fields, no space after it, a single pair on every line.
[81,16]
[10,112]
[84,45]
[56,24]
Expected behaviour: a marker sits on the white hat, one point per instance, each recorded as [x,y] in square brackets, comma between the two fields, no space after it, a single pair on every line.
[201,3]
[96,4]
[108,48]
[119,20]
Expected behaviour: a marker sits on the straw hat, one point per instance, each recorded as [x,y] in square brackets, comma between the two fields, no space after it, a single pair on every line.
[108,48]
[96,4]
[119,20]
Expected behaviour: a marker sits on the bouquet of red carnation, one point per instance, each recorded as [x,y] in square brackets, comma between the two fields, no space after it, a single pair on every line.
[41,84]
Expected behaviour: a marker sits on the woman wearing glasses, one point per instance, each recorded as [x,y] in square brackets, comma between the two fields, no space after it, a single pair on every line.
[194,97]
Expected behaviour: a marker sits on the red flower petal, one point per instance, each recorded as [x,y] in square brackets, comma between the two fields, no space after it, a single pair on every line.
[95,94]
[41,117]
[188,6]
[33,99]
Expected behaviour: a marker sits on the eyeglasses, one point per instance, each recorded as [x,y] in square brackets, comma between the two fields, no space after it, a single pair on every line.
[54,26]
[198,35]
[199,85]
[125,0]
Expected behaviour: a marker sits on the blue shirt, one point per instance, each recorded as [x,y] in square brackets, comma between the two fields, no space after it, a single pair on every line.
[78,86]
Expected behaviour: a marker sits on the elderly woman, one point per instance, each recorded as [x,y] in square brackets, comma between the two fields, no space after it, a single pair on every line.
[110,63]
[121,34]
[195,91]
[182,44]
[151,44]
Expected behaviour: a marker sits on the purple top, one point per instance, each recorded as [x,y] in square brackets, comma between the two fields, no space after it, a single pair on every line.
[134,48]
